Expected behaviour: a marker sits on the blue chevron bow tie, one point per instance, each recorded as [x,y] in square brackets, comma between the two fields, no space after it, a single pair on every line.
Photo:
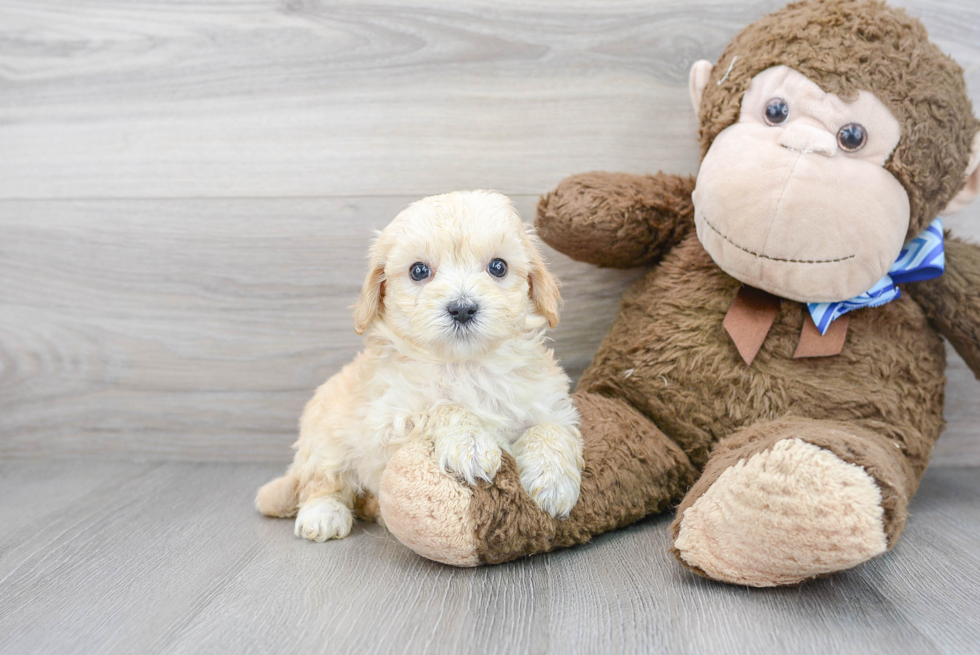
[923,259]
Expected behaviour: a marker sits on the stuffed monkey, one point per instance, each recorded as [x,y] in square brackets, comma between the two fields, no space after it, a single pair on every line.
[777,375]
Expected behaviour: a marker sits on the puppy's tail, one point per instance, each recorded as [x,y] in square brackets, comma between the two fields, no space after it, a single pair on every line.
[278,498]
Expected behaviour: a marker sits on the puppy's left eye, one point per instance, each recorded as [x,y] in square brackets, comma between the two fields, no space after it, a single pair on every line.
[497,268]
[419,271]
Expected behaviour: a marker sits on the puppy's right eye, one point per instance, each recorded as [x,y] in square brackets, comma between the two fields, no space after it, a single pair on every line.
[497,268]
[419,271]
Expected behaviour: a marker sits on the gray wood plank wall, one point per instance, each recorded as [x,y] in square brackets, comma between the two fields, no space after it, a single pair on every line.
[187,189]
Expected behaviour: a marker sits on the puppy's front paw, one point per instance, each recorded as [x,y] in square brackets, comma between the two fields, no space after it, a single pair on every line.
[552,486]
[471,455]
[322,519]
[550,462]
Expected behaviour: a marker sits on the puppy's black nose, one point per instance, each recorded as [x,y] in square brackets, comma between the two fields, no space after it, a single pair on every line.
[462,310]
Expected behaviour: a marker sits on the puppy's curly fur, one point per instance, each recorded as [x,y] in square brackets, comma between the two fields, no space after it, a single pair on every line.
[474,387]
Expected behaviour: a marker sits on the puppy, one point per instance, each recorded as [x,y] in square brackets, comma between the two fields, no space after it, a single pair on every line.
[454,310]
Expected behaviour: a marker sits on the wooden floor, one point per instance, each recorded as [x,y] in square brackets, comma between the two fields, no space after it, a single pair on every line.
[187,190]
[170,558]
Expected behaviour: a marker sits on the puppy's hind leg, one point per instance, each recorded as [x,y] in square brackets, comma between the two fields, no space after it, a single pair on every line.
[366,507]
[322,509]
[278,498]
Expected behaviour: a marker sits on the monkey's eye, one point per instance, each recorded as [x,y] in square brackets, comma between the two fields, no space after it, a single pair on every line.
[497,268]
[777,111]
[852,137]
[419,271]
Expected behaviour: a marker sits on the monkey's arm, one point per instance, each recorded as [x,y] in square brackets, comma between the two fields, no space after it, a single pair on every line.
[952,301]
[616,220]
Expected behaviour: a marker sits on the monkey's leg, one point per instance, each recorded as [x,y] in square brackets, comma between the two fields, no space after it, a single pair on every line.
[631,470]
[783,501]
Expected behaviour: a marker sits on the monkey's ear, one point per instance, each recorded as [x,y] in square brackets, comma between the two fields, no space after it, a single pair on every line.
[372,293]
[698,79]
[971,186]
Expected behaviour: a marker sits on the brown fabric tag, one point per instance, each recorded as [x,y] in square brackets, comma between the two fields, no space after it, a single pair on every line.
[814,344]
[749,318]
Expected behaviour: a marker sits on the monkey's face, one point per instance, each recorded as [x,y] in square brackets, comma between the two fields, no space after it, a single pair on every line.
[794,197]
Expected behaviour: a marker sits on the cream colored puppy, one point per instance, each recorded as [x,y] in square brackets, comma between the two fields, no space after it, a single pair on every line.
[454,310]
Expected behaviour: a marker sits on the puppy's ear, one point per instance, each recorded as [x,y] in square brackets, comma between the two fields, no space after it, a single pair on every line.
[543,285]
[372,293]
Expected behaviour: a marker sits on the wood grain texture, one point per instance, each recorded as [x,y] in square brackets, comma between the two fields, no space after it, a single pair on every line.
[172,558]
[199,328]
[186,189]
[115,98]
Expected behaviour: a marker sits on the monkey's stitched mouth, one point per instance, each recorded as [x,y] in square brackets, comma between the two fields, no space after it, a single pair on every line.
[775,259]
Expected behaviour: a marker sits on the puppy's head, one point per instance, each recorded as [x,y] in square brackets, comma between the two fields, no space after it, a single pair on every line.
[456,275]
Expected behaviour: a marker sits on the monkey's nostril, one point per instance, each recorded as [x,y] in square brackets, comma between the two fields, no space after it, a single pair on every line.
[462,311]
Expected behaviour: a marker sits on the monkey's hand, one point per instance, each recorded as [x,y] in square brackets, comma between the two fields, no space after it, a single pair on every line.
[952,300]
[616,220]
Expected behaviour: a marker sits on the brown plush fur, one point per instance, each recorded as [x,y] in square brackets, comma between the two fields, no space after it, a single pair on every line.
[669,358]
[689,378]
[631,470]
[617,220]
[668,399]
[952,301]
[879,403]
[849,45]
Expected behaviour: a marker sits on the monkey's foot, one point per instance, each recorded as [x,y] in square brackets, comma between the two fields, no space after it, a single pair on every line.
[780,515]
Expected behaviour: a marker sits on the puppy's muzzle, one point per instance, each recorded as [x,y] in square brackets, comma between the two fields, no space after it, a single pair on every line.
[462,311]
